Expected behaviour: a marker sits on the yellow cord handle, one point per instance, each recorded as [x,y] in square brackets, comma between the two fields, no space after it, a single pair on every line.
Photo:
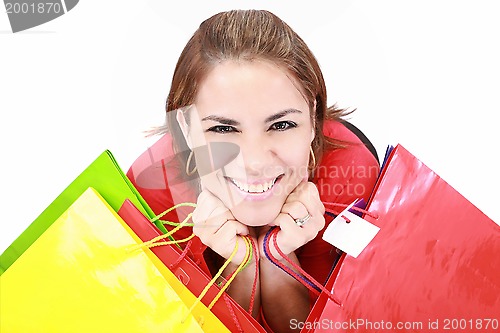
[183,204]
[248,256]
[172,242]
[244,263]
[207,287]
[154,242]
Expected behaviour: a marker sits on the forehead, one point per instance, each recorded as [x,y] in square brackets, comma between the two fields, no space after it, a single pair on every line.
[248,87]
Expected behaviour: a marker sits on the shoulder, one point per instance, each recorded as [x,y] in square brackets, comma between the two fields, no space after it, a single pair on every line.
[148,164]
[348,173]
[342,176]
[157,174]
[356,151]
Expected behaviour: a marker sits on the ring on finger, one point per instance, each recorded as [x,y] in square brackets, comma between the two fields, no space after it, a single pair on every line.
[300,222]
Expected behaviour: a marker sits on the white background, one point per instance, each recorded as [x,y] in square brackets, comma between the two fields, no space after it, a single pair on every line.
[424,74]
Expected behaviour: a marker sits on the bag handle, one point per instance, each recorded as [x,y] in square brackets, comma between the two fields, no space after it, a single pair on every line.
[250,250]
[256,275]
[182,204]
[306,279]
[241,266]
[357,209]
[154,242]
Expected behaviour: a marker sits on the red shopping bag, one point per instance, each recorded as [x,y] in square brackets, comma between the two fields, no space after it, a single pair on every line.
[191,275]
[433,266]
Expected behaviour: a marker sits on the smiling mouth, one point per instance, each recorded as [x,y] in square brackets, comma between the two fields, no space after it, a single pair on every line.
[255,188]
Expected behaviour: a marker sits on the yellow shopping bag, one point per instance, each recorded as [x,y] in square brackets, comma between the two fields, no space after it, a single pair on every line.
[85,274]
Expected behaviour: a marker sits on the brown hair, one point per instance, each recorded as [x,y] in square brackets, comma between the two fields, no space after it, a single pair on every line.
[250,35]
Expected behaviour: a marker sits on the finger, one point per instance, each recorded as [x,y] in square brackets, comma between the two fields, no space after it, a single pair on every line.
[282,219]
[231,228]
[289,237]
[240,255]
[308,195]
[296,209]
[305,232]
[208,205]
[200,212]
[229,233]
[209,231]
[215,221]
[306,188]
[295,236]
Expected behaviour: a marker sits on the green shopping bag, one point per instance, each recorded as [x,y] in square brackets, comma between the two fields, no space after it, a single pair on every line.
[106,176]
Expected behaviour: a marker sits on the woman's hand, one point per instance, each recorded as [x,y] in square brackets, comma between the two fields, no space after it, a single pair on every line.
[303,201]
[278,309]
[217,228]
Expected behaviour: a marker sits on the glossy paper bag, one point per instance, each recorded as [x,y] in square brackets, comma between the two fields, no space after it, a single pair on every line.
[105,175]
[85,274]
[232,315]
[433,266]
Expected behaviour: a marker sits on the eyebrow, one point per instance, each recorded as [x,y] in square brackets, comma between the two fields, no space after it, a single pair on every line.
[281,114]
[222,120]
[229,121]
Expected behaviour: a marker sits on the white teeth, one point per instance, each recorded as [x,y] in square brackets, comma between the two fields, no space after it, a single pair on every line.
[252,188]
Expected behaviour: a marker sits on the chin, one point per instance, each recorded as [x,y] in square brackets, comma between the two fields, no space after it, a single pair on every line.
[255,216]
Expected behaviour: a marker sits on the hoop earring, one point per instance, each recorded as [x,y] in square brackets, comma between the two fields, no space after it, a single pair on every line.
[313,158]
[188,163]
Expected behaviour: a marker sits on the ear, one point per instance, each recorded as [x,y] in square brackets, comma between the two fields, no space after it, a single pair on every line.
[181,120]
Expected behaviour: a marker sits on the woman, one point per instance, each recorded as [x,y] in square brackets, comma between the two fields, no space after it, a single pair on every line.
[247,81]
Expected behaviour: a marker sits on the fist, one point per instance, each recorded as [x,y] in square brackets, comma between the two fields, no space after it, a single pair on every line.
[217,228]
[303,203]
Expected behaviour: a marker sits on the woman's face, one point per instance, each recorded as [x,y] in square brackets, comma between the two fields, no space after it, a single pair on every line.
[256,106]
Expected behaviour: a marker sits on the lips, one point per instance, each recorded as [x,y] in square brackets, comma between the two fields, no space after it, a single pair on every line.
[254,188]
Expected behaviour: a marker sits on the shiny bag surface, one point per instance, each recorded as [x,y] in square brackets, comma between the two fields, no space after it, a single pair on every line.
[189,273]
[105,175]
[86,273]
[433,266]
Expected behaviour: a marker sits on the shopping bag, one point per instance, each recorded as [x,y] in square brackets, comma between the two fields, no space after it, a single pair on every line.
[86,273]
[105,175]
[433,265]
[232,315]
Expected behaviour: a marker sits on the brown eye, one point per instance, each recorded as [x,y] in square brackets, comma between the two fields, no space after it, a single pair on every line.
[283,125]
[222,129]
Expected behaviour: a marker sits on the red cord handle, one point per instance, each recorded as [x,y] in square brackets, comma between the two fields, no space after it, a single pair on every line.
[181,256]
[298,268]
[333,204]
[256,276]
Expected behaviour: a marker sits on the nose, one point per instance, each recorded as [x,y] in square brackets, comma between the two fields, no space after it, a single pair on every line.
[258,153]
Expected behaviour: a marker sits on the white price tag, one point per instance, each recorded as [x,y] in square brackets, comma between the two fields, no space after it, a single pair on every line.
[350,233]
